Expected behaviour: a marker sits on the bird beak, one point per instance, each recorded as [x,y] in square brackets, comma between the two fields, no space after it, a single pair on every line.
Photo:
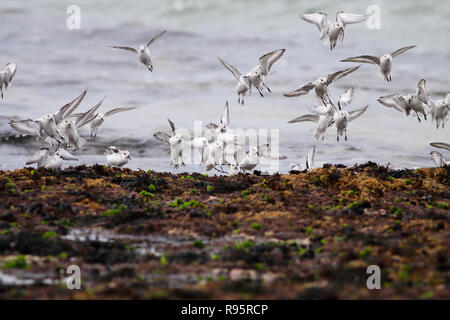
[129,157]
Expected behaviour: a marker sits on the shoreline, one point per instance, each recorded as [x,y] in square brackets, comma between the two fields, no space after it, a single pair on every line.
[144,234]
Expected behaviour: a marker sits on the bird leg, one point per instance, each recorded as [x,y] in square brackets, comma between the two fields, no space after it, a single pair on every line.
[345,134]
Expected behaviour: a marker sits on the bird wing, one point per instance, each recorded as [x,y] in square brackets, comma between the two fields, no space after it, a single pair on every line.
[27,127]
[442,145]
[10,71]
[310,158]
[162,136]
[66,155]
[306,117]
[422,92]
[267,60]
[300,91]
[346,98]
[155,38]
[394,101]
[172,125]
[37,156]
[401,50]
[232,69]
[117,110]
[225,118]
[125,48]
[356,113]
[339,74]
[320,19]
[70,107]
[363,59]
[87,116]
[350,18]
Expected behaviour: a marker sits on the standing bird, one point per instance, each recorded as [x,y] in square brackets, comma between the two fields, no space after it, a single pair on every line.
[143,52]
[55,161]
[384,62]
[320,85]
[116,157]
[40,157]
[262,70]
[334,31]
[244,82]
[98,119]
[176,151]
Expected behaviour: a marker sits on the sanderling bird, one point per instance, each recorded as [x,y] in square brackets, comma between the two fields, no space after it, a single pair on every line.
[384,62]
[334,31]
[143,52]
[342,117]
[176,151]
[417,102]
[262,70]
[439,110]
[320,85]
[309,161]
[214,155]
[98,119]
[244,82]
[6,76]
[55,161]
[233,169]
[116,157]
[439,159]
[324,114]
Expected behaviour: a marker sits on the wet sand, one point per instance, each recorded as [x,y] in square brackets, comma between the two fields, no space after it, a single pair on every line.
[152,235]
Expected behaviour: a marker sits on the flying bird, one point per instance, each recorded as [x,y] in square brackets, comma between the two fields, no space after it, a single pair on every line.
[320,85]
[244,82]
[384,62]
[262,70]
[334,31]
[143,52]
[98,119]
[6,76]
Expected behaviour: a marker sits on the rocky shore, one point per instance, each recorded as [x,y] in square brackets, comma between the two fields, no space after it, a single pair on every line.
[153,235]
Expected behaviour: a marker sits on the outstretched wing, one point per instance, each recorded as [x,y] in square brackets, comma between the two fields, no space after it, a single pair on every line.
[422,92]
[267,60]
[346,98]
[117,110]
[320,19]
[172,125]
[310,158]
[363,59]
[356,113]
[27,127]
[68,108]
[350,18]
[125,48]
[401,50]
[232,69]
[306,117]
[441,145]
[156,38]
[300,91]
[339,74]
[37,156]
[162,136]
[225,118]
[10,71]
[87,116]
[394,101]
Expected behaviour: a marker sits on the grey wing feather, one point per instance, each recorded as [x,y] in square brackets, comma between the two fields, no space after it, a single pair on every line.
[117,110]
[162,136]
[363,59]
[267,60]
[394,101]
[401,50]
[156,37]
[339,74]
[172,125]
[357,113]
[306,117]
[442,145]
[125,48]
[86,117]
[232,69]
[303,90]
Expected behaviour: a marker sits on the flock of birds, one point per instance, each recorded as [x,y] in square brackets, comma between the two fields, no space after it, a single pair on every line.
[221,146]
